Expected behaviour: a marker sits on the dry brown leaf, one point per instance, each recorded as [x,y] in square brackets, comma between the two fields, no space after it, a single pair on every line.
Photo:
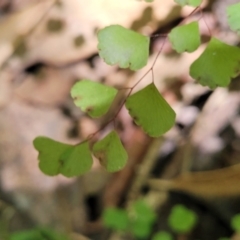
[222,182]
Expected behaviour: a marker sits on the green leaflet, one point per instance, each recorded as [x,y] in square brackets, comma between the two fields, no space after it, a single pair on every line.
[143,219]
[233,15]
[77,162]
[92,97]
[55,157]
[181,219]
[110,152]
[217,64]
[116,219]
[138,220]
[185,38]
[151,111]
[118,45]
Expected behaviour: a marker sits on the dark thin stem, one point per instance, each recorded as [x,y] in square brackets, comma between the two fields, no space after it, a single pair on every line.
[194,11]
[152,76]
[210,33]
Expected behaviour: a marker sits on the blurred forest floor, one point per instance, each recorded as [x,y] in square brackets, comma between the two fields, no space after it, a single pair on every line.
[45,47]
